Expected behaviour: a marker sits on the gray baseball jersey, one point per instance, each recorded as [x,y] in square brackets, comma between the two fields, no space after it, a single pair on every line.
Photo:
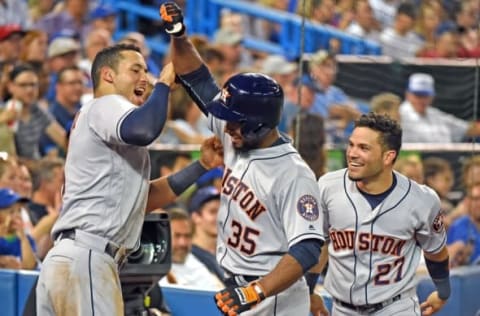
[268,203]
[105,195]
[106,180]
[374,254]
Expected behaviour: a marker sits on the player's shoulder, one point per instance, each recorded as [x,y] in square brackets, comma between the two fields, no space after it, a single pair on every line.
[332,176]
[422,194]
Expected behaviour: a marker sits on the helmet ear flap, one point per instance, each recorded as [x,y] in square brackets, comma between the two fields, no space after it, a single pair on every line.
[253,133]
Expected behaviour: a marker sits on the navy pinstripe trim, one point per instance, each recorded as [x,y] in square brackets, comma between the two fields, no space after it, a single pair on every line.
[275,305]
[92,305]
[414,306]
[354,235]
[236,188]
[371,233]
[441,245]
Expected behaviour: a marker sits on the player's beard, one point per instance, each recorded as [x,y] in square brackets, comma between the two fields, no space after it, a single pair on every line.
[364,176]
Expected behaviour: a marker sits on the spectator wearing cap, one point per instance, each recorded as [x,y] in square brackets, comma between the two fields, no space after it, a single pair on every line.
[104,17]
[423,123]
[15,12]
[280,69]
[14,243]
[10,43]
[400,41]
[62,52]
[187,269]
[229,42]
[73,17]
[203,208]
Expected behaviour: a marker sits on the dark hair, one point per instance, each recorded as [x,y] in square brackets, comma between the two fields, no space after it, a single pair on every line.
[109,57]
[17,70]
[65,69]
[311,141]
[408,9]
[390,130]
[435,165]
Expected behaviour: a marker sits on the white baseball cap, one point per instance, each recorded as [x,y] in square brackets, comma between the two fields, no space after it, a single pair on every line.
[277,65]
[421,84]
[61,46]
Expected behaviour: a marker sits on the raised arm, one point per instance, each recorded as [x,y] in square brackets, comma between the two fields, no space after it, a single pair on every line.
[189,66]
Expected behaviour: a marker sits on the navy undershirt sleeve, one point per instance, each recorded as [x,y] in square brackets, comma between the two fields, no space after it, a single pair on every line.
[200,86]
[145,123]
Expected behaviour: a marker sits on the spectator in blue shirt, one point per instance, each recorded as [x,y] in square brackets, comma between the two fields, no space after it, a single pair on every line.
[463,237]
[331,102]
[69,90]
[14,242]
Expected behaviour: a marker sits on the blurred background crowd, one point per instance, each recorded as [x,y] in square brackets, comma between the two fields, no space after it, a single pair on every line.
[46,51]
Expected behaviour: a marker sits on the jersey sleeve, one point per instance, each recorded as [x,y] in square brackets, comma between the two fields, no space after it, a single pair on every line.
[106,115]
[301,217]
[431,234]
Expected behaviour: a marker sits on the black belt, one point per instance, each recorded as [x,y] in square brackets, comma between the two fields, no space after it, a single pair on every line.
[369,308]
[110,248]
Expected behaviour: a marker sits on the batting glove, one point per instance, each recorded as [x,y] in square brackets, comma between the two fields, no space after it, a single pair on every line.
[235,300]
[172,17]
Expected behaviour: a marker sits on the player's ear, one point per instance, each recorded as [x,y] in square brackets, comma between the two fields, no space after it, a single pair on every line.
[390,156]
[107,74]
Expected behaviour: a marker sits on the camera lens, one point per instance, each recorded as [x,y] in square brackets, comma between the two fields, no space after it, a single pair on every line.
[144,254]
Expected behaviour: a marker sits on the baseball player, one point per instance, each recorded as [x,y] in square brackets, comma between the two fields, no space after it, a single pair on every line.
[378,222]
[107,188]
[269,223]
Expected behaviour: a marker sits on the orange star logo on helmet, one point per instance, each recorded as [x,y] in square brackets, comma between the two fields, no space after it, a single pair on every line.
[224,95]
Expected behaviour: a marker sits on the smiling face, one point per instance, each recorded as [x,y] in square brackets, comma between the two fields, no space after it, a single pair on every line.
[234,130]
[130,77]
[367,158]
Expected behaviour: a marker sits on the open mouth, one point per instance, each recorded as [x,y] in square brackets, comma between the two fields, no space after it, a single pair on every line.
[139,91]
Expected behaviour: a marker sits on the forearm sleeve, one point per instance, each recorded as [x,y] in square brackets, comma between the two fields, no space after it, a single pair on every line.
[144,124]
[440,274]
[200,86]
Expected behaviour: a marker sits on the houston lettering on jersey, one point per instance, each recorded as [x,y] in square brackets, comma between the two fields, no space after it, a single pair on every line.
[342,240]
[242,194]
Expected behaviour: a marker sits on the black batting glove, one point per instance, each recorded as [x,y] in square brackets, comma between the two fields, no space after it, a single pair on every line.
[235,300]
[172,17]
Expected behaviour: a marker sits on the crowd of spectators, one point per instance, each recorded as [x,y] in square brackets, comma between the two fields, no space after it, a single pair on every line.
[46,53]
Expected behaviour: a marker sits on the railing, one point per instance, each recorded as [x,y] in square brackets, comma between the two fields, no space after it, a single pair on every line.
[203,17]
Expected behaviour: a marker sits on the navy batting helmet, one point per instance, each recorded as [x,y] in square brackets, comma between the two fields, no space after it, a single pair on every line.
[252,99]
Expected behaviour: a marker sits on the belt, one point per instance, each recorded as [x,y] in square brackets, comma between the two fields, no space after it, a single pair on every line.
[369,308]
[117,253]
